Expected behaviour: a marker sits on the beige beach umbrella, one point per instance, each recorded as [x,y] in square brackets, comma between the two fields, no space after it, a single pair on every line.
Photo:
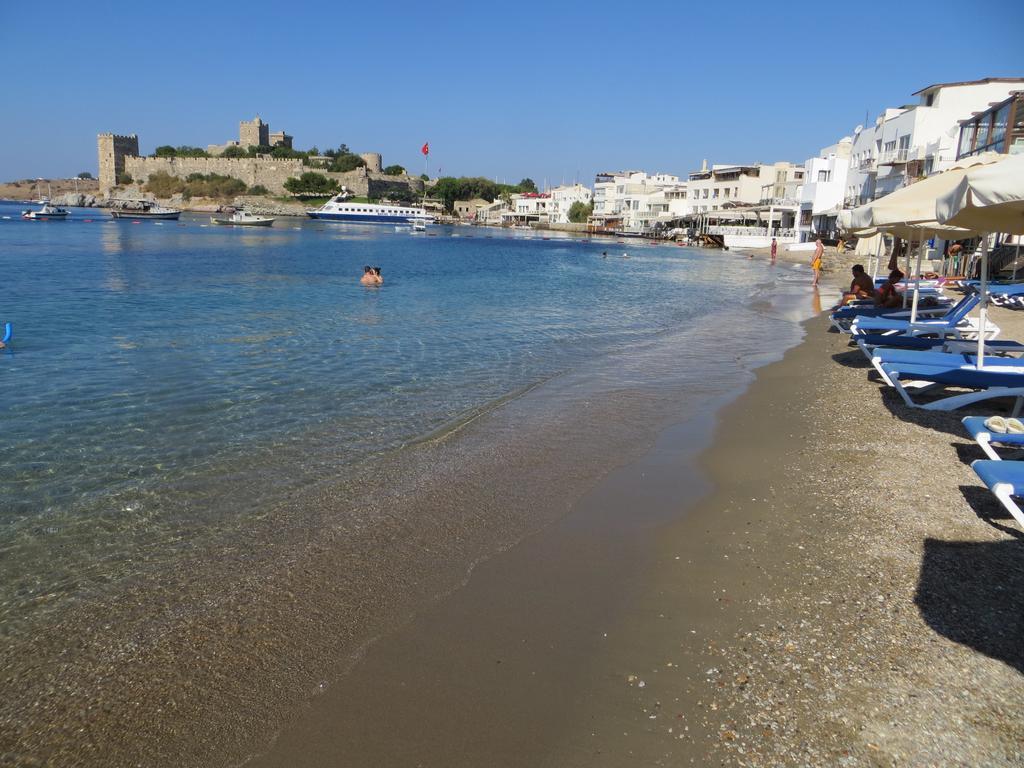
[987,199]
[914,205]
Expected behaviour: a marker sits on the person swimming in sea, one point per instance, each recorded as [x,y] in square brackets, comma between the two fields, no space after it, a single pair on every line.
[371,276]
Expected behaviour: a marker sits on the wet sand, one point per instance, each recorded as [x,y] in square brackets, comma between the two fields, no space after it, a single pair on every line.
[847,594]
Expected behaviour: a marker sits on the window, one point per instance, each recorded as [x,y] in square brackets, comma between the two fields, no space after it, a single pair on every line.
[967,133]
[726,193]
[715,194]
[1000,120]
[824,175]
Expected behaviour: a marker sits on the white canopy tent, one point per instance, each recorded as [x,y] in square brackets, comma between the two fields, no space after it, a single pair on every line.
[987,199]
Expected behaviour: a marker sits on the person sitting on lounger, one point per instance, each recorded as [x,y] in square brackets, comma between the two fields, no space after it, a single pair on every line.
[887,296]
[861,287]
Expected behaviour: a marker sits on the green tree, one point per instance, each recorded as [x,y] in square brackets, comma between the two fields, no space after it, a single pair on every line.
[125,178]
[186,151]
[450,189]
[579,212]
[394,170]
[234,151]
[85,175]
[311,183]
[165,150]
[424,177]
[527,185]
[258,189]
[346,162]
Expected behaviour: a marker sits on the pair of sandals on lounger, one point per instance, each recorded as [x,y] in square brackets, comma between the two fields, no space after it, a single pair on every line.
[1003,426]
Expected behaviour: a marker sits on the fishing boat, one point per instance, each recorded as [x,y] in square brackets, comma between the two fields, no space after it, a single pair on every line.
[48,211]
[144,209]
[243,219]
[341,208]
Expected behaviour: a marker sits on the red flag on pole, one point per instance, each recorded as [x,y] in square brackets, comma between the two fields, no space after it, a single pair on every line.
[426,148]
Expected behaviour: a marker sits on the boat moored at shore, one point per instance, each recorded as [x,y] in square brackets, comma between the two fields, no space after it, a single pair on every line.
[243,219]
[144,209]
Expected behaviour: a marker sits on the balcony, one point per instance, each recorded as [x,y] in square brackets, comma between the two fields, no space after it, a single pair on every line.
[869,163]
[899,156]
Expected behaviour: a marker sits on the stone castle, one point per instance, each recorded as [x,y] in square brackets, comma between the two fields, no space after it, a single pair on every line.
[119,158]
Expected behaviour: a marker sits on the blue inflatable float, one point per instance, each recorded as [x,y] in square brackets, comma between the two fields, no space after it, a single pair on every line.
[8,332]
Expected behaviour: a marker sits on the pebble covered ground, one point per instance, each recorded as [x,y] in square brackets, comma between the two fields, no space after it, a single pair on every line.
[885,622]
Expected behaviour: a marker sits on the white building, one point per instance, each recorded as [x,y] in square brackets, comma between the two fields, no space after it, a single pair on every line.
[528,208]
[562,199]
[914,141]
[824,189]
[723,187]
[633,201]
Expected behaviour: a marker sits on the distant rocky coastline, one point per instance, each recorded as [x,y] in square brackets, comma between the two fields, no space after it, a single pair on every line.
[258,204]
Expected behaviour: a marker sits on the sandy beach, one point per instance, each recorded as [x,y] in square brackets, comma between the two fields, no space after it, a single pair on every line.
[848,593]
[808,574]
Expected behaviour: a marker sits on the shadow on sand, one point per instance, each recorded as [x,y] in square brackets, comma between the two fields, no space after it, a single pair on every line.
[973,593]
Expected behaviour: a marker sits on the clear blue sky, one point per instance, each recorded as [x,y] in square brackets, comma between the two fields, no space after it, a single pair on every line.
[500,89]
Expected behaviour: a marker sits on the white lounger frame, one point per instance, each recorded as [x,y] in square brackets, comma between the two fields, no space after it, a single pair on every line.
[1004,492]
[952,402]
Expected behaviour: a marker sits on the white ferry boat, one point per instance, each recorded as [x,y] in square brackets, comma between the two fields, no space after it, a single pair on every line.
[340,208]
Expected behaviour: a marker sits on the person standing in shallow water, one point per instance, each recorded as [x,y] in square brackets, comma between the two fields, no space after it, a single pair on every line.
[775,249]
[819,249]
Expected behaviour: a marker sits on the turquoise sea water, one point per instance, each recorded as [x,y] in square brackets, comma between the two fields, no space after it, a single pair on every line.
[172,384]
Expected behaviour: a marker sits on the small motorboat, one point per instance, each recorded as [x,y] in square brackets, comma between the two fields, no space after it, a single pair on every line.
[144,209]
[48,211]
[243,219]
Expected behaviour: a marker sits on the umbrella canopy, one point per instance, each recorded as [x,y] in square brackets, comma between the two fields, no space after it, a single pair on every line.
[989,198]
[911,209]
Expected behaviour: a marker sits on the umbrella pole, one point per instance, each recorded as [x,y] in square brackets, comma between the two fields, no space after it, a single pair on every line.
[906,277]
[983,312]
[878,256]
[917,283]
[1016,257]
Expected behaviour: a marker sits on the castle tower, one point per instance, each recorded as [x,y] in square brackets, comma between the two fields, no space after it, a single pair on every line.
[112,151]
[374,161]
[253,133]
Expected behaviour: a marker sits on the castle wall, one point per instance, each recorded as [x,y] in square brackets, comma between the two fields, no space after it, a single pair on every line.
[271,173]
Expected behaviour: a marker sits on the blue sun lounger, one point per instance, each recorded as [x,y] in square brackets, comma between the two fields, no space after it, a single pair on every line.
[1005,479]
[957,325]
[990,382]
[984,437]
[843,317]
[957,354]
[947,322]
